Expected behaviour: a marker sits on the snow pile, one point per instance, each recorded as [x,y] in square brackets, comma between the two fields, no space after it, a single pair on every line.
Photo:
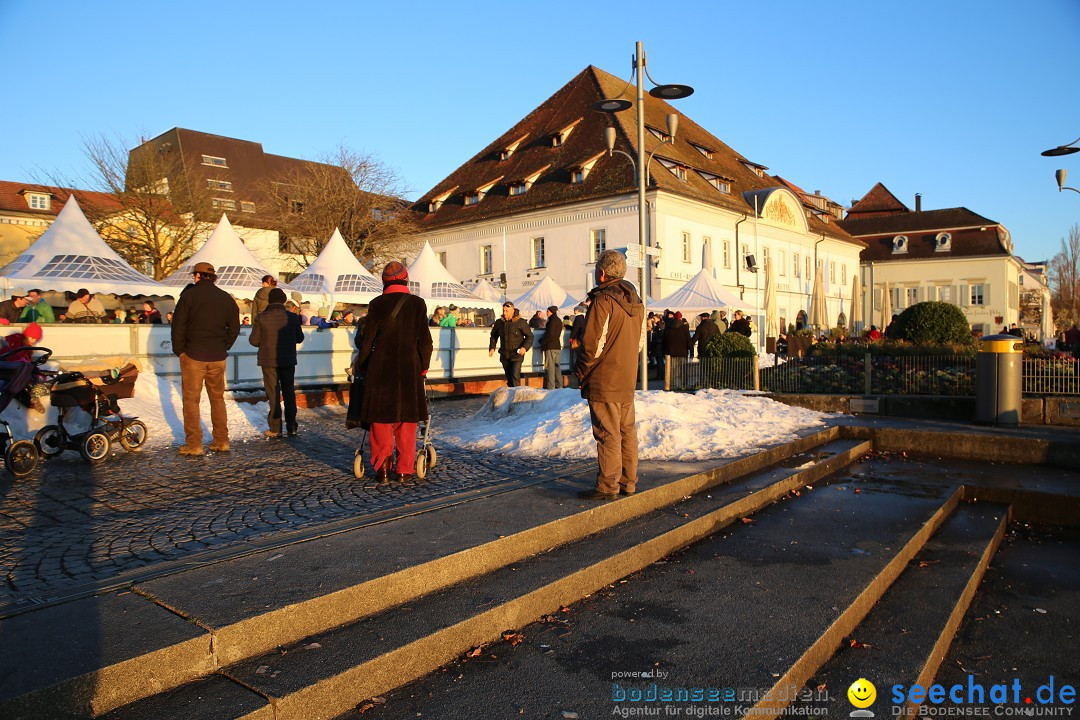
[768,360]
[670,426]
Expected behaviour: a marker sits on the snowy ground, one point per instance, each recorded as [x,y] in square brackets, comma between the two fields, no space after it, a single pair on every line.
[518,421]
[670,426]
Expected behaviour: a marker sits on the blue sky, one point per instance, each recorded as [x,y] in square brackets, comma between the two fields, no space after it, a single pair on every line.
[951,99]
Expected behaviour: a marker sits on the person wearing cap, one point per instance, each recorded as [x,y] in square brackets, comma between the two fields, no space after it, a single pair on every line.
[277,332]
[514,337]
[320,320]
[450,320]
[37,310]
[607,373]
[262,296]
[395,353]
[12,308]
[205,325]
[85,308]
[31,335]
[551,344]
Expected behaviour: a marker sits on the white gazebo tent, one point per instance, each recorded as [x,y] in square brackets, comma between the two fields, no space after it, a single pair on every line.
[338,274]
[543,295]
[71,255]
[431,281]
[702,293]
[239,272]
[486,291]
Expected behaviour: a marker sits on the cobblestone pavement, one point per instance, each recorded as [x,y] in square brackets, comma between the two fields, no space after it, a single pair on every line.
[71,528]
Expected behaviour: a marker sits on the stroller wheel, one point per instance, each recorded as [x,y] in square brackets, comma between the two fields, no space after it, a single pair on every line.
[95,447]
[48,441]
[421,465]
[358,465]
[133,436]
[432,456]
[21,458]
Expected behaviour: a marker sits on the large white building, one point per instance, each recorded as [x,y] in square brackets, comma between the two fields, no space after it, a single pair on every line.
[545,198]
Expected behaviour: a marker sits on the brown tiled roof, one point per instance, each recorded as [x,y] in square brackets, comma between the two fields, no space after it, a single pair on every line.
[879,201]
[972,234]
[609,176]
[13,198]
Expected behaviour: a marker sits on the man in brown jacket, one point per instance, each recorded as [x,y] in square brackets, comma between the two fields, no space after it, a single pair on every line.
[607,372]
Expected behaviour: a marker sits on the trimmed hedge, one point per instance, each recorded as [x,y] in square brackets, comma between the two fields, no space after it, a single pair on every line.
[730,345]
[934,323]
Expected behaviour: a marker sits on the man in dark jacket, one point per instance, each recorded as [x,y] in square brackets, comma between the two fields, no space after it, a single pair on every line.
[277,332]
[262,296]
[12,309]
[205,325]
[551,344]
[740,324]
[395,353]
[677,337]
[515,338]
[607,373]
[706,330]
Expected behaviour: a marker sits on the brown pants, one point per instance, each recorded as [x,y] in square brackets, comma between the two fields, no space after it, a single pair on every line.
[616,445]
[193,375]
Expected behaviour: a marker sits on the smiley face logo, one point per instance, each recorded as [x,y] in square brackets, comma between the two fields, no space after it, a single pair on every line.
[862,693]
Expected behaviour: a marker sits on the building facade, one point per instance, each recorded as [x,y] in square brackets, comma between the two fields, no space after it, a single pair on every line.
[27,210]
[545,198]
[952,255]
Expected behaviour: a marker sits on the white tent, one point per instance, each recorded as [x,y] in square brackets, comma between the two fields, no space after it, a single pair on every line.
[239,272]
[543,295]
[71,255]
[486,291]
[337,273]
[431,281]
[700,294]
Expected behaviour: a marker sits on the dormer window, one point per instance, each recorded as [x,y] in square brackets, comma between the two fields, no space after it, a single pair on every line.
[504,154]
[703,150]
[658,134]
[38,201]
[472,198]
[577,176]
[517,188]
[676,169]
[753,167]
[436,202]
[720,183]
[900,244]
[560,137]
[509,150]
[943,242]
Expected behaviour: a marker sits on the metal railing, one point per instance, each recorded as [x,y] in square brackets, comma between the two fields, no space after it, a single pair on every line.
[728,373]
[1051,376]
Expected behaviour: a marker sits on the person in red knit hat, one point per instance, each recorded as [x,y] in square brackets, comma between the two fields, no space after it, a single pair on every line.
[30,336]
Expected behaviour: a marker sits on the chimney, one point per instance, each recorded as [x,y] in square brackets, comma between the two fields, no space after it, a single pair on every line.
[918,202]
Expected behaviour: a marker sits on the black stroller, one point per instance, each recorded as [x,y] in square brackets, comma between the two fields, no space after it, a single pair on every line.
[98,398]
[16,382]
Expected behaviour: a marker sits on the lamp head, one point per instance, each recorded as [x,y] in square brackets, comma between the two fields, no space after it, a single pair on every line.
[1060,150]
[1060,175]
[609,139]
[671,92]
[672,124]
[612,106]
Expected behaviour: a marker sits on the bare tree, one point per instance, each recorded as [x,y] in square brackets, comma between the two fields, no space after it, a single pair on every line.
[1065,280]
[153,213]
[351,191]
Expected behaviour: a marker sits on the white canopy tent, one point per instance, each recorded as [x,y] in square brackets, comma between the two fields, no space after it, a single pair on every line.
[486,291]
[337,274]
[239,272]
[431,281]
[701,294]
[71,255]
[543,295]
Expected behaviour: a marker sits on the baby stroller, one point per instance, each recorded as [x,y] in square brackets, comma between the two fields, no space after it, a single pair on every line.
[16,381]
[98,398]
[426,457]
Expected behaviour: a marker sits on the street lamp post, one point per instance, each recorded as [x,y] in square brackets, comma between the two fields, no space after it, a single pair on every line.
[1062,150]
[614,105]
[1060,175]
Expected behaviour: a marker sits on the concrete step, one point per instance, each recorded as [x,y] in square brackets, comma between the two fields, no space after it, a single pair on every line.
[907,634]
[122,647]
[733,612]
[328,673]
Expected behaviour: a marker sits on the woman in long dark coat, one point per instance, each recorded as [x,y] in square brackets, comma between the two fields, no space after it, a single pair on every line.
[395,352]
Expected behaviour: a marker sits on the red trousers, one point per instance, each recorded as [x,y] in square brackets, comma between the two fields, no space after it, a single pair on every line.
[383,436]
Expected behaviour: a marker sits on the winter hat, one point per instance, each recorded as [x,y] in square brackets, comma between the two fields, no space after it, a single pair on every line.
[324,311]
[395,272]
[678,315]
[33,331]
[276,295]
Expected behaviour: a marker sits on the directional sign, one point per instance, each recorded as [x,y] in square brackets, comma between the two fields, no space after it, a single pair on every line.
[633,259]
[650,250]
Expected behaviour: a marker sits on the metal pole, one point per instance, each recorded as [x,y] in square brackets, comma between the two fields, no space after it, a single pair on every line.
[643,240]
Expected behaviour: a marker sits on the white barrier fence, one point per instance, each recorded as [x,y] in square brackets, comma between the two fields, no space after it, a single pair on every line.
[460,353]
